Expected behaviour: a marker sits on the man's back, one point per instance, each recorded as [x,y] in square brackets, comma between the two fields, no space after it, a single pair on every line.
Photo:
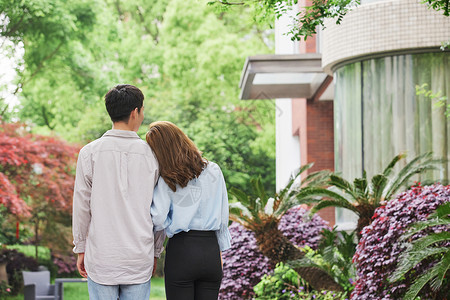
[119,171]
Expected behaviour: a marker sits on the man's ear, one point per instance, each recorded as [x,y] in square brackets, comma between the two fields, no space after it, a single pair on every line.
[134,113]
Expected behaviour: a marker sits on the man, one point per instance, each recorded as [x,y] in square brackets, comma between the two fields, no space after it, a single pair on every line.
[112,226]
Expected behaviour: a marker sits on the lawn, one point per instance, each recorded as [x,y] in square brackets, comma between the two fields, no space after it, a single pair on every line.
[79,291]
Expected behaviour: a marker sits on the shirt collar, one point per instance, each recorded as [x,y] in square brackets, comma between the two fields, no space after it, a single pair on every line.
[121,133]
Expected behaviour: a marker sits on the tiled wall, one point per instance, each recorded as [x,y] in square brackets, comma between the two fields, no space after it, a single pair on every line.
[384,26]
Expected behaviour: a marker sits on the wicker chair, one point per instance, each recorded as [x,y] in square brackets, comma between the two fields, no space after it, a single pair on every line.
[37,286]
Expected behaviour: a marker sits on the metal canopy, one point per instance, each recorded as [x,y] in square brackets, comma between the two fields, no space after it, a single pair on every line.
[285,76]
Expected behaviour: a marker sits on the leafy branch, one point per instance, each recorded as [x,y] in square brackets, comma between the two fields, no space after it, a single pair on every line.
[436,98]
[305,23]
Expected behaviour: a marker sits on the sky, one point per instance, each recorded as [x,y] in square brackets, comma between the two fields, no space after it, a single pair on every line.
[8,67]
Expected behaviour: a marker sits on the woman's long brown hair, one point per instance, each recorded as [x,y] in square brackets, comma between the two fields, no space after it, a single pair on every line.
[179,159]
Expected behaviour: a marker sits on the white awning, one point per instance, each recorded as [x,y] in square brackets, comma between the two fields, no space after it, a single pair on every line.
[285,76]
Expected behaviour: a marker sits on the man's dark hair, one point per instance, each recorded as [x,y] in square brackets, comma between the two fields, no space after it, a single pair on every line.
[121,100]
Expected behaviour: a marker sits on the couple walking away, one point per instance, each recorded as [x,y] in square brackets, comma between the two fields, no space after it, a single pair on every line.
[130,194]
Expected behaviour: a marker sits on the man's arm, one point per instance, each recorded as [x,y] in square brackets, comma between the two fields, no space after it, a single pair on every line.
[81,209]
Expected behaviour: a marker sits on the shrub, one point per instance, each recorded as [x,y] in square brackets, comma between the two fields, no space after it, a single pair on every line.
[244,264]
[285,283]
[5,289]
[16,263]
[334,255]
[66,265]
[379,249]
[436,245]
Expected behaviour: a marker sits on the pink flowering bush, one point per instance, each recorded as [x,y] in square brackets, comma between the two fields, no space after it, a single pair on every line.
[244,264]
[66,265]
[379,249]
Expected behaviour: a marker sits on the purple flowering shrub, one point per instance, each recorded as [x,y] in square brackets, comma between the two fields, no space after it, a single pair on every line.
[379,249]
[66,264]
[244,264]
[301,229]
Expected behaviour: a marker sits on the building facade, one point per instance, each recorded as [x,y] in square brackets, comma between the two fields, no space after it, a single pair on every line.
[366,103]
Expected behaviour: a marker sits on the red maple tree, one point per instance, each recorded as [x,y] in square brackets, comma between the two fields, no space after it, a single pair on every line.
[36,175]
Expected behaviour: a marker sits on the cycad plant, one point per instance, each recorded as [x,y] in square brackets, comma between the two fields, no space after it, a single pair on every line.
[334,256]
[434,245]
[363,196]
[261,214]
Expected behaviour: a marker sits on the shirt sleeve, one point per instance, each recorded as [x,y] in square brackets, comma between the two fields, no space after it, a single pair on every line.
[161,206]
[223,235]
[81,202]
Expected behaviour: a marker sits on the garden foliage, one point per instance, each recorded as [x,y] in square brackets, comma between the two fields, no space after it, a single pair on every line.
[433,245]
[16,263]
[34,170]
[244,264]
[334,255]
[364,195]
[380,247]
[36,182]
[285,283]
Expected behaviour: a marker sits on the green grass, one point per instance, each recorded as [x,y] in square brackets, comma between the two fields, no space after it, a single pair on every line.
[79,291]
[30,250]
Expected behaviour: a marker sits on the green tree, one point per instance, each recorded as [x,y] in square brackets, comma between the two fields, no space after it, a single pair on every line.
[201,57]
[305,23]
[186,57]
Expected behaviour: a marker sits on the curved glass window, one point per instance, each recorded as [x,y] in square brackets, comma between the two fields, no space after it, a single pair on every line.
[379,115]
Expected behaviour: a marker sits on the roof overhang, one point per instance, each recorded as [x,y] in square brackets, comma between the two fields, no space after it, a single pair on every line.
[285,76]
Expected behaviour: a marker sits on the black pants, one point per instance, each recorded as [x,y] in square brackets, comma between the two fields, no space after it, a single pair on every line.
[192,269]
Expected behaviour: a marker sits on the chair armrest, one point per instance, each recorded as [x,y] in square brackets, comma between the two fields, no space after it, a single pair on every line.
[51,289]
[29,292]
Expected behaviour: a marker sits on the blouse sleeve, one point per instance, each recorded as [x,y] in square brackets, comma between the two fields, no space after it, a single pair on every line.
[223,235]
[161,206]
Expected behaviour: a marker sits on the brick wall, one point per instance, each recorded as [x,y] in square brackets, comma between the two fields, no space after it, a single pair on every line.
[320,143]
[313,123]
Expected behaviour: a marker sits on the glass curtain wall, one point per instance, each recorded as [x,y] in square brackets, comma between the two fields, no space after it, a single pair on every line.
[378,113]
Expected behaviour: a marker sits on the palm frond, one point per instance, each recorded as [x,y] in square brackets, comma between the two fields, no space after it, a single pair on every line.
[287,188]
[431,239]
[343,184]
[439,217]
[443,211]
[241,196]
[409,259]
[442,268]
[418,165]
[239,210]
[305,262]
[258,190]
[334,203]
[360,187]
[318,178]
[421,226]
[417,285]
[392,164]
[378,184]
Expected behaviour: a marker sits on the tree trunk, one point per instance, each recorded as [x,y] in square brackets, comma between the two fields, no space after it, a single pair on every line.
[278,248]
[366,212]
[36,241]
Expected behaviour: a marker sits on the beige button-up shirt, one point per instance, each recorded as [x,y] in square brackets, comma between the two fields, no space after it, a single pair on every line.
[112,225]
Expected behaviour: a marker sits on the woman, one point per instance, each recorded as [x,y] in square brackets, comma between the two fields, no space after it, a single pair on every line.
[190,202]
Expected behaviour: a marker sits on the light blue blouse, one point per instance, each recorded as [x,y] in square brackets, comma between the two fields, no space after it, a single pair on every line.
[201,205]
